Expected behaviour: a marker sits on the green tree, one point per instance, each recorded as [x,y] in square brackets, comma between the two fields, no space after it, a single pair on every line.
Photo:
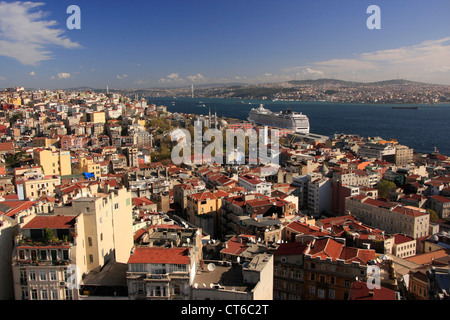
[48,235]
[433,215]
[384,187]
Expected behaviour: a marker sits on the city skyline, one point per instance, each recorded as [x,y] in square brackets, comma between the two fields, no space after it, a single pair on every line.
[174,43]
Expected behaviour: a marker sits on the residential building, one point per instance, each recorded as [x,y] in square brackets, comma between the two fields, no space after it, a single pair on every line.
[221,280]
[253,183]
[164,263]
[389,216]
[53,161]
[440,204]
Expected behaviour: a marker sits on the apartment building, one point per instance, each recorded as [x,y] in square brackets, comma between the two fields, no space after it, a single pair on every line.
[404,246]
[43,262]
[202,208]
[389,216]
[375,151]
[53,162]
[224,280]
[253,183]
[163,264]
[439,204]
[81,238]
[319,196]
[321,269]
[34,187]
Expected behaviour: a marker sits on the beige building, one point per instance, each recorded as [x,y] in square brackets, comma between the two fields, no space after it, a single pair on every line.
[404,246]
[389,216]
[37,186]
[86,235]
[53,161]
[403,155]
[95,117]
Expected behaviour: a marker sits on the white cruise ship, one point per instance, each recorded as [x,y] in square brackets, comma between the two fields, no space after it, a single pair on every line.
[295,121]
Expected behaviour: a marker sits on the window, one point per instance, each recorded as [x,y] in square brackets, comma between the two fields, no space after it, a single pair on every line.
[44,295]
[32,275]
[54,294]
[312,290]
[91,258]
[321,293]
[313,277]
[43,275]
[34,295]
[90,241]
[24,294]
[347,283]
[52,275]
[322,279]
[332,280]
[331,294]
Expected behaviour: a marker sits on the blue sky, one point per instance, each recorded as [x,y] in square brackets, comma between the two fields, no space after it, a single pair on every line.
[144,44]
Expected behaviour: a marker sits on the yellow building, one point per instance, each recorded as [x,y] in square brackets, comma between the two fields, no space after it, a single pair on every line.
[37,186]
[87,164]
[95,117]
[53,162]
[202,210]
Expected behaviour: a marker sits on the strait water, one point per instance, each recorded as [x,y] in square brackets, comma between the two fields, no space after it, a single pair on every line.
[421,129]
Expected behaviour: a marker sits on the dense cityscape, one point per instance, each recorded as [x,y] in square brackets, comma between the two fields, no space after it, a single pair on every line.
[330,90]
[92,205]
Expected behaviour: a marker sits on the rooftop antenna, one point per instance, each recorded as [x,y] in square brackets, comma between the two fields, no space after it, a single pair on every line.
[107,90]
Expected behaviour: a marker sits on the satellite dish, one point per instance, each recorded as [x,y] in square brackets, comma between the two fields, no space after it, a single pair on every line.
[188,240]
[196,285]
[211,267]
[238,259]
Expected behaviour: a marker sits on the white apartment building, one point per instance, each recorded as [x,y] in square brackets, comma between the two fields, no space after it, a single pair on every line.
[255,184]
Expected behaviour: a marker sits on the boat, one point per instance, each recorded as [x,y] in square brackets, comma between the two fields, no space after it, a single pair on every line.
[288,119]
[412,108]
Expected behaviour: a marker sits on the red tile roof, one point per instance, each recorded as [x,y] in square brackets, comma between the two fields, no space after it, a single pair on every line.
[291,248]
[361,292]
[160,255]
[52,222]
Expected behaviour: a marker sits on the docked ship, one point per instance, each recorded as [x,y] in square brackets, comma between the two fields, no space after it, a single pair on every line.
[288,119]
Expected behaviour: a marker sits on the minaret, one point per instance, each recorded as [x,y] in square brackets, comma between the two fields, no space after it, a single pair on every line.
[107,90]
[192,90]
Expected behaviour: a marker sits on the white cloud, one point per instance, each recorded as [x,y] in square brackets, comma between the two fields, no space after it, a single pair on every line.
[141,82]
[63,75]
[2,78]
[196,78]
[171,78]
[123,76]
[26,36]
[426,61]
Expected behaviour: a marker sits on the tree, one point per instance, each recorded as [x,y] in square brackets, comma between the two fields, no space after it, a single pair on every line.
[48,235]
[384,187]
[433,215]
